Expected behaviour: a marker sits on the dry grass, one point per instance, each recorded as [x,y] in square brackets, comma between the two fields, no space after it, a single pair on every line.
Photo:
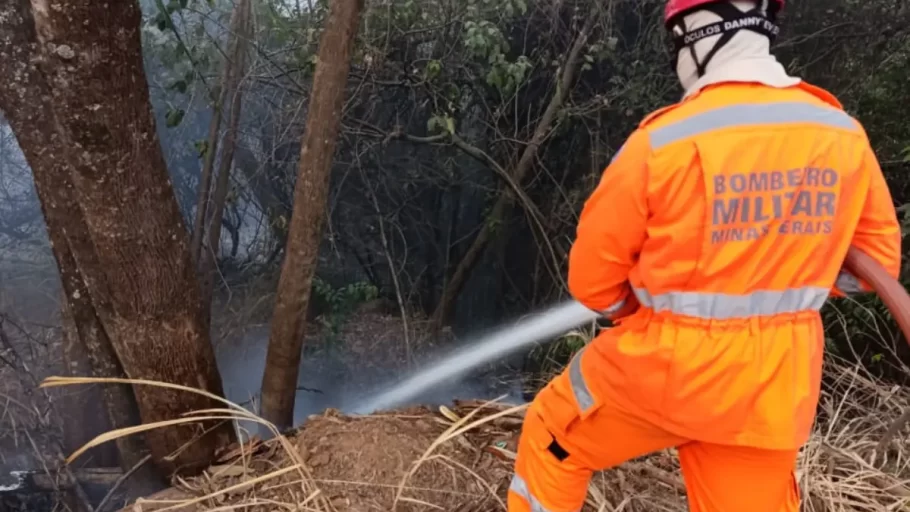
[460,460]
[842,466]
[309,497]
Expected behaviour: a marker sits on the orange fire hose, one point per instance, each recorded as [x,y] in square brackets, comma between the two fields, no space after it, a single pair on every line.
[896,299]
[891,292]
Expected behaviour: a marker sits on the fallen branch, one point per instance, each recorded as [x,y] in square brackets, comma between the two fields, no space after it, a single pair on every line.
[119,482]
[893,487]
[889,434]
[55,480]
[658,474]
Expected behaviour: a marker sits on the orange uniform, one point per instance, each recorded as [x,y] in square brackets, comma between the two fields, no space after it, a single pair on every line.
[712,240]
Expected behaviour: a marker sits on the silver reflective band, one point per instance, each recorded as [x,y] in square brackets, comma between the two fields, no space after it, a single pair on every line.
[724,306]
[847,283]
[614,308]
[737,116]
[519,487]
[619,152]
[583,396]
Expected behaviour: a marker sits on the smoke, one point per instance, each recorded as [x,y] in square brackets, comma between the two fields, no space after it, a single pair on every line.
[325,382]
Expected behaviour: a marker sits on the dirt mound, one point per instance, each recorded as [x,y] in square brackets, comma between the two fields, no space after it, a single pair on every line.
[460,460]
[345,453]
[417,459]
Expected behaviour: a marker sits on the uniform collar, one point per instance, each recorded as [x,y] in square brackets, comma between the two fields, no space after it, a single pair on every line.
[764,70]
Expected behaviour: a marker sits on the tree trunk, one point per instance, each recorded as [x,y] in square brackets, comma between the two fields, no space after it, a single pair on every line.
[503,205]
[236,67]
[82,407]
[67,230]
[85,115]
[259,181]
[85,339]
[279,382]
[205,181]
[109,407]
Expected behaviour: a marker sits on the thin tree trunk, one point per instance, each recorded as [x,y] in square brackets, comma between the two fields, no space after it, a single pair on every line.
[205,182]
[233,227]
[236,62]
[86,115]
[259,184]
[279,382]
[211,148]
[503,205]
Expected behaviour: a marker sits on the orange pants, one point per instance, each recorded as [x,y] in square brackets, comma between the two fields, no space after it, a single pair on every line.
[559,450]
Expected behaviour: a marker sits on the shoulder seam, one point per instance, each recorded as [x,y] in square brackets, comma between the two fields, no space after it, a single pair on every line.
[653,116]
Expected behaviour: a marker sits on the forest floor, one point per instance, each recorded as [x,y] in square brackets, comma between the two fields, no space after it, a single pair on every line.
[460,459]
[455,460]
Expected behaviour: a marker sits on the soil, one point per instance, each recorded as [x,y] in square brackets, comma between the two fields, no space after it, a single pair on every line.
[381,450]
[427,459]
[400,461]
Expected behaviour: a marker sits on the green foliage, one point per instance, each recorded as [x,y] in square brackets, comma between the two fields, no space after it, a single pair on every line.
[575,340]
[485,42]
[485,70]
[905,219]
[506,76]
[337,304]
[343,300]
[432,69]
[176,38]
[439,123]
[201,147]
[551,358]
[174,116]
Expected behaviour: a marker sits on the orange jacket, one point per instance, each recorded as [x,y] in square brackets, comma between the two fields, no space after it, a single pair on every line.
[727,217]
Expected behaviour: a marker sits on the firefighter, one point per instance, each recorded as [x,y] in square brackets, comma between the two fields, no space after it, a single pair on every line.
[712,240]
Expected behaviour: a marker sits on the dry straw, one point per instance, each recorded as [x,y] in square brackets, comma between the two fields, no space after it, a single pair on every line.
[841,468]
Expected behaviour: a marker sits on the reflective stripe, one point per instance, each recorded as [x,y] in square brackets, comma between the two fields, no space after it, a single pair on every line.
[735,116]
[724,306]
[619,151]
[583,396]
[614,308]
[848,283]
[519,487]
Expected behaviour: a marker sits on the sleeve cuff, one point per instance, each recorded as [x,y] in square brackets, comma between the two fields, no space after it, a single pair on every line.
[620,309]
[848,284]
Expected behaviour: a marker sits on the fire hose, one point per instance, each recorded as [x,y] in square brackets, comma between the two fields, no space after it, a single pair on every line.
[896,300]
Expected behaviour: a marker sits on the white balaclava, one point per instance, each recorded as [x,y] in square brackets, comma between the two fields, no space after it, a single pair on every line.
[746,57]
